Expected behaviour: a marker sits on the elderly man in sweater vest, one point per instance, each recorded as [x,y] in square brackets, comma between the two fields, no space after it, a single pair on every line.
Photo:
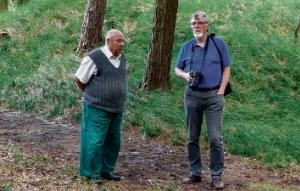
[102,77]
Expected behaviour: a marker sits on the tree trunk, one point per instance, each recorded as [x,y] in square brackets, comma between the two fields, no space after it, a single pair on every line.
[296,31]
[3,5]
[157,74]
[92,25]
[20,2]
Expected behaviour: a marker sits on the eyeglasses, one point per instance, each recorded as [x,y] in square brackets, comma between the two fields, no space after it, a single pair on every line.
[194,23]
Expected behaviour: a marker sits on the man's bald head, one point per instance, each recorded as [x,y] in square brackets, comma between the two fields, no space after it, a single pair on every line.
[111,33]
[115,41]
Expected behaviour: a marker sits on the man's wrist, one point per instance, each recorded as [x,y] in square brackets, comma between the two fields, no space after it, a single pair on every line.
[221,91]
[184,75]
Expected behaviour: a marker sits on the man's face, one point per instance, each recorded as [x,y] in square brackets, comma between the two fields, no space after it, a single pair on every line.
[199,27]
[115,43]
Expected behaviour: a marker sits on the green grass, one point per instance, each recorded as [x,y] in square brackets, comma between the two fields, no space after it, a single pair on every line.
[261,116]
[30,171]
[6,188]
[267,187]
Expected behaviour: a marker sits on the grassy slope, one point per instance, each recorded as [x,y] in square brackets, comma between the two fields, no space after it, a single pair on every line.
[262,115]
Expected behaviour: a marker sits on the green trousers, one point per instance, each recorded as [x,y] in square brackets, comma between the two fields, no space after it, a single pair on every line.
[100,141]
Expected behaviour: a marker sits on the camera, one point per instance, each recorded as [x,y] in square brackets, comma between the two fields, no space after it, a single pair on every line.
[196,78]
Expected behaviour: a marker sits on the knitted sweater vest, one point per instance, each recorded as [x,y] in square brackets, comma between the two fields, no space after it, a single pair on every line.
[107,90]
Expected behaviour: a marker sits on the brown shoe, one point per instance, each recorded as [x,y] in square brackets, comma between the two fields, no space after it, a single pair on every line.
[217,183]
[192,179]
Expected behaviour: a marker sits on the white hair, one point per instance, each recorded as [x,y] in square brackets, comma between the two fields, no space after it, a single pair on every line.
[199,15]
[111,33]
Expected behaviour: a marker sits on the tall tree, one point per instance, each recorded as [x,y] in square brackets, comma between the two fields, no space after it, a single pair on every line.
[157,74]
[296,31]
[92,26]
[22,1]
[3,5]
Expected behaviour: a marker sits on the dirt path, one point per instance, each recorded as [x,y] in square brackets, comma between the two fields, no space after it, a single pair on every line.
[145,163]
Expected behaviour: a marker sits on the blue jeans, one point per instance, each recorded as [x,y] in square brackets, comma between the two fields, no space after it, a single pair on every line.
[211,104]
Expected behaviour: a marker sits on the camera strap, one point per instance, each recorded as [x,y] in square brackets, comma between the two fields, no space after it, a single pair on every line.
[204,55]
[228,88]
[212,35]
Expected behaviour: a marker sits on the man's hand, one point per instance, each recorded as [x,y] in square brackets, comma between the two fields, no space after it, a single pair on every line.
[225,79]
[79,84]
[221,91]
[185,75]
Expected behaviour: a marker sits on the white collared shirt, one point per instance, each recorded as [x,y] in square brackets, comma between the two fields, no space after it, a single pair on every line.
[88,68]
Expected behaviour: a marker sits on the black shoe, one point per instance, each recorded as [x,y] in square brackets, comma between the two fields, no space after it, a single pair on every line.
[192,179]
[96,180]
[109,176]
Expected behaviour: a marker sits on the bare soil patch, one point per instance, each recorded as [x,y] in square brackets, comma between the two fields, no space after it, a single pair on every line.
[145,163]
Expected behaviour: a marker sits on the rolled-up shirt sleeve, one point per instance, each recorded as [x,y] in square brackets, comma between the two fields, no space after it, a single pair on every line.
[86,70]
[225,56]
[179,63]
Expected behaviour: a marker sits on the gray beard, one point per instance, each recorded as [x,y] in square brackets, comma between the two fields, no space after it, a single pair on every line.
[198,35]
